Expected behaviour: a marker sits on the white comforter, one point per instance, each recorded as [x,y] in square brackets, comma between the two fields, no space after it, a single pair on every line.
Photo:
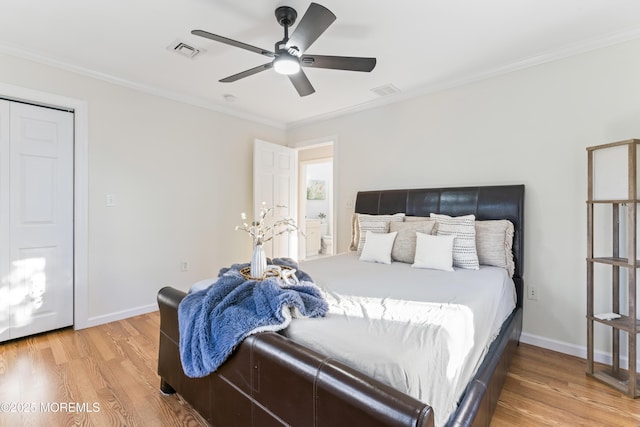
[423,332]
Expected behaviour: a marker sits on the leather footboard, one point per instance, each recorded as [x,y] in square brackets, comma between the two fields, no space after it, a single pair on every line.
[272,381]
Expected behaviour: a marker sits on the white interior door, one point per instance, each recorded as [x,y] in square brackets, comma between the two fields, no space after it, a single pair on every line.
[275,175]
[39,276]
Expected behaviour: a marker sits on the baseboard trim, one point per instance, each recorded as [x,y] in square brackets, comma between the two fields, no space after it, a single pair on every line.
[119,315]
[572,349]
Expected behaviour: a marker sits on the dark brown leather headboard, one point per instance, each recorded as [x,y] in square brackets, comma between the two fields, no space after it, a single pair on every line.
[490,202]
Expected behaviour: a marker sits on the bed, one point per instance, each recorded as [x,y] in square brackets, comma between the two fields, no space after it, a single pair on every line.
[274,380]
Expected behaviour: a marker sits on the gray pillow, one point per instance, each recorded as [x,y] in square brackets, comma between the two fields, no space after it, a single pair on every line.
[404,247]
[417,218]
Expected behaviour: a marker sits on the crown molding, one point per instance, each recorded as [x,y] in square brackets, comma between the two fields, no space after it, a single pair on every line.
[560,53]
[140,87]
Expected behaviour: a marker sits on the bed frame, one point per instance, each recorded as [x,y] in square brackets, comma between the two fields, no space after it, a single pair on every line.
[271,380]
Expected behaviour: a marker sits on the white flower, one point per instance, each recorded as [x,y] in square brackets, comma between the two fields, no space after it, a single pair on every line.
[260,231]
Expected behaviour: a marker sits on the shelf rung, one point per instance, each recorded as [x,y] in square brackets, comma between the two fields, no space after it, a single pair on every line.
[615,201]
[623,323]
[622,262]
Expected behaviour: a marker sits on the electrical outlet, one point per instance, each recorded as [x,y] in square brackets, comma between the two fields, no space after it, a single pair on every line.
[184,266]
[111,200]
[532,293]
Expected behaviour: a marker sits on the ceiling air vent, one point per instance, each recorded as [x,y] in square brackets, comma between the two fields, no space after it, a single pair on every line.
[181,48]
[385,90]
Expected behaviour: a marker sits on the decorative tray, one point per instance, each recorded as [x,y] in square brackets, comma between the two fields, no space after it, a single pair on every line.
[281,271]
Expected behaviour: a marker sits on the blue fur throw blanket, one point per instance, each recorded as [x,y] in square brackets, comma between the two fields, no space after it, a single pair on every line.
[213,321]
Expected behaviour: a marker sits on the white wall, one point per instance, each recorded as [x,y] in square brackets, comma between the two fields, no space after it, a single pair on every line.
[532,127]
[180,174]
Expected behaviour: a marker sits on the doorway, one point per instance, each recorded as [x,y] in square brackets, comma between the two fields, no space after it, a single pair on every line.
[315,195]
[81,190]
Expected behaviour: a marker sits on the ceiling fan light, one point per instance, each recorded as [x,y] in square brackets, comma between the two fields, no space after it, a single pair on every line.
[286,64]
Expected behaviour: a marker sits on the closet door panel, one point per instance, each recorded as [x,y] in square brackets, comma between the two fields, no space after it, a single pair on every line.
[41,219]
[5,263]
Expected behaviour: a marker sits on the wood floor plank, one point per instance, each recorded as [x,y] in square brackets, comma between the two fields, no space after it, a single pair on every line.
[549,388]
[109,373]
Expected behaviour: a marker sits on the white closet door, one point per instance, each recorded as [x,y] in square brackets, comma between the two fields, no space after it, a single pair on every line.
[40,219]
[5,229]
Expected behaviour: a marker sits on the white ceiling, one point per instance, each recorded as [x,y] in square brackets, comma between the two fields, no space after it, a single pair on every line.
[420,45]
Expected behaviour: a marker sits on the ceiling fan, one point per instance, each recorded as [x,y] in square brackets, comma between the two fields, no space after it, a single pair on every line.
[289,55]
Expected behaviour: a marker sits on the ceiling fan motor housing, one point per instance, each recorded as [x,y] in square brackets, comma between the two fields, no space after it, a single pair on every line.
[286,16]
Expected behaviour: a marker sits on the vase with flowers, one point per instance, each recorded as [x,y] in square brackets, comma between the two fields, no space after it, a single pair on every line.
[261,231]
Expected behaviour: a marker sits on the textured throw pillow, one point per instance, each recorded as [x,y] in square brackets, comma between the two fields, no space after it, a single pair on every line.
[375,223]
[353,245]
[464,246]
[404,247]
[434,252]
[377,247]
[494,243]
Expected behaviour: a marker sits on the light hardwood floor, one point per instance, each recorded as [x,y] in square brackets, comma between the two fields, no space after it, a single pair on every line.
[546,388]
[113,366]
[106,376]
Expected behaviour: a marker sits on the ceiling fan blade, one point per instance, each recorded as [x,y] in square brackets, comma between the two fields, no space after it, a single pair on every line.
[315,20]
[338,62]
[247,73]
[301,83]
[232,42]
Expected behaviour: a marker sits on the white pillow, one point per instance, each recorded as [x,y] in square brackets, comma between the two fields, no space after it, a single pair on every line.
[464,247]
[434,252]
[377,247]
